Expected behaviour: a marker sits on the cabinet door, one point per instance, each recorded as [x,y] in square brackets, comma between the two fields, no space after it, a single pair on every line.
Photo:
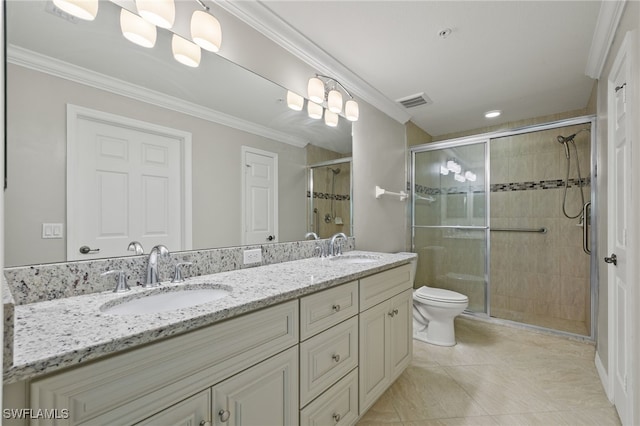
[192,411]
[263,395]
[374,354]
[400,338]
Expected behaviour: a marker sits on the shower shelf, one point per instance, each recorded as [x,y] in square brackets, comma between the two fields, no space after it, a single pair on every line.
[380,192]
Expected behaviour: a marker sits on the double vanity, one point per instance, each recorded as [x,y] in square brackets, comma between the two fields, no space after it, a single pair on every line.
[313,341]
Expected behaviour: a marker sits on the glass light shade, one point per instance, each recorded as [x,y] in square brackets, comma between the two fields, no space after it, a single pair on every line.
[161,13]
[294,101]
[206,31]
[314,110]
[334,101]
[351,110]
[83,9]
[185,51]
[459,177]
[330,118]
[470,176]
[137,30]
[453,166]
[315,90]
[444,171]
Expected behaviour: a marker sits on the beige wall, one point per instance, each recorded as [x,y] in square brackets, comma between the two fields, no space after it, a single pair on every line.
[379,150]
[37,167]
[630,21]
[416,136]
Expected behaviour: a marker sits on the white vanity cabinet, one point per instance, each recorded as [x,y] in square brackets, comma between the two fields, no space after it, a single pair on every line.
[385,332]
[193,411]
[329,356]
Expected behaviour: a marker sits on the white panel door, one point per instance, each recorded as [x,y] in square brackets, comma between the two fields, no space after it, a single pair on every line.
[619,200]
[125,184]
[260,196]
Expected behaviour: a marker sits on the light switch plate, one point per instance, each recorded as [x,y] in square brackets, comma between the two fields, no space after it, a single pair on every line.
[252,256]
[52,230]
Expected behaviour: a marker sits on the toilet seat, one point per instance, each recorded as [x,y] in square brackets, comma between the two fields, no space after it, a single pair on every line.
[439,295]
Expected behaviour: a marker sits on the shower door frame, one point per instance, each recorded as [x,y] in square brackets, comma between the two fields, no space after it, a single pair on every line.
[593,218]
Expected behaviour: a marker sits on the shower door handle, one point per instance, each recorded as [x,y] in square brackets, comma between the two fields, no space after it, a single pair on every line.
[586,209]
[613,259]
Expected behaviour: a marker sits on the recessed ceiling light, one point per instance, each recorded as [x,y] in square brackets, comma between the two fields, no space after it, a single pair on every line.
[492,114]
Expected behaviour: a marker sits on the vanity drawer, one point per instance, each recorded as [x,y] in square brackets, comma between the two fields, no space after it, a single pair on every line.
[327,357]
[129,387]
[327,308]
[380,287]
[337,406]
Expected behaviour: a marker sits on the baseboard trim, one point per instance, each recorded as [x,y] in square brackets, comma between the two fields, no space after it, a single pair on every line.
[604,377]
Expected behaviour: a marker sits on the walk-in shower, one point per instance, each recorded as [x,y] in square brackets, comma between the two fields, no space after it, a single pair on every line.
[488,221]
[329,197]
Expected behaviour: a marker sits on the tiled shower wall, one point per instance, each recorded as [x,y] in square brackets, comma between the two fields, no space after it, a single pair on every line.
[333,203]
[542,279]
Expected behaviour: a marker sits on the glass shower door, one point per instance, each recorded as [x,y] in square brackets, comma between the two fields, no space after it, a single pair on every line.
[450,219]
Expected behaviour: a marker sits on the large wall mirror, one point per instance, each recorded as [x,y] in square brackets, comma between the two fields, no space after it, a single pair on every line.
[54,63]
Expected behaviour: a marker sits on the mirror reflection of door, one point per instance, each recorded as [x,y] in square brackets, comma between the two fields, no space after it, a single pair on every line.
[125,183]
[260,196]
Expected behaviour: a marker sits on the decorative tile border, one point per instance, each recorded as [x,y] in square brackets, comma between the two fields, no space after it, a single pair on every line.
[327,196]
[504,187]
[37,283]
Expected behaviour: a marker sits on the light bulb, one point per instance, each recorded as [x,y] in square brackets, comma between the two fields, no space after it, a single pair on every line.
[330,118]
[459,177]
[314,110]
[83,9]
[351,110]
[315,90]
[161,13]
[294,101]
[444,171]
[470,176]
[334,101]
[453,166]
[206,31]
[137,30]
[185,52]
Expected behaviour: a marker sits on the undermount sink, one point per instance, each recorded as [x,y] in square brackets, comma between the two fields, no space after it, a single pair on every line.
[163,300]
[356,258]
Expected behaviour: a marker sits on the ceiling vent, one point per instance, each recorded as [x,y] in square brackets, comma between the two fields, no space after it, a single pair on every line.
[414,100]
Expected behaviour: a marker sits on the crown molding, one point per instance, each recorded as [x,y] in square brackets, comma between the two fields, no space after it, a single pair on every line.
[262,19]
[55,67]
[608,20]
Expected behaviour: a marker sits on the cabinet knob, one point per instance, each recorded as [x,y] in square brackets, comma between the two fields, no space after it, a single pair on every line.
[204,423]
[391,314]
[336,417]
[336,308]
[395,311]
[224,415]
[336,357]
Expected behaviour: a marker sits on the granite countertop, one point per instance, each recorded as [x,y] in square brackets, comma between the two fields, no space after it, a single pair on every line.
[60,333]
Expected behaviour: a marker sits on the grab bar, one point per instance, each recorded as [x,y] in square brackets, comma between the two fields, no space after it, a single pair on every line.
[536,230]
[585,227]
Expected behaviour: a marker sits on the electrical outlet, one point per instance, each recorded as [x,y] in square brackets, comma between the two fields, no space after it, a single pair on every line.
[252,256]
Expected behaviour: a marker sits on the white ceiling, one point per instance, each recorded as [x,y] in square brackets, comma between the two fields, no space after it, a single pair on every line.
[526,58]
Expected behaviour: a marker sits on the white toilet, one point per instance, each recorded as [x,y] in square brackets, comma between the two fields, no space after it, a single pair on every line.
[433,312]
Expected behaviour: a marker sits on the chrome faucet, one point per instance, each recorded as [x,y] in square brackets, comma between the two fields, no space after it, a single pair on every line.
[333,250]
[153,278]
[311,234]
[136,247]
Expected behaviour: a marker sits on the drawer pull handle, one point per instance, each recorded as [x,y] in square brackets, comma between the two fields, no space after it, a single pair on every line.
[336,308]
[391,314]
[224,415]
[205,423]
[336,357]
[395,312]
[336,417]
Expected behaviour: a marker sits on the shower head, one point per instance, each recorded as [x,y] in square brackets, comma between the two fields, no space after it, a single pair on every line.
[563,139]
[335,171]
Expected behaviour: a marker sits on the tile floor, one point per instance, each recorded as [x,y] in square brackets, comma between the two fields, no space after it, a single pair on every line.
[496,375]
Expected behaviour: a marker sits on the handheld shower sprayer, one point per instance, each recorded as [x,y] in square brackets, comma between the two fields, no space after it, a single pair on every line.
[564,141]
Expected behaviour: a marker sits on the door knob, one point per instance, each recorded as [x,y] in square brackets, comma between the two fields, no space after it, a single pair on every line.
[271,237]
[87,250]
[613,259]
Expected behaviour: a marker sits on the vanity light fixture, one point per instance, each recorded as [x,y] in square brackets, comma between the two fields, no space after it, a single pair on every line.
[137,30]
[294,101]
[492,114]
[83,9]
[161,13]
[314,110]
[453,166]
[330,118]
[319,91]
[206,31]
[185,52]
[315,90]
[470,176]
[334,101]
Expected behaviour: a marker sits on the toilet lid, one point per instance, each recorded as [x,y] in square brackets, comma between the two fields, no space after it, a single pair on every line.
[440,295]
